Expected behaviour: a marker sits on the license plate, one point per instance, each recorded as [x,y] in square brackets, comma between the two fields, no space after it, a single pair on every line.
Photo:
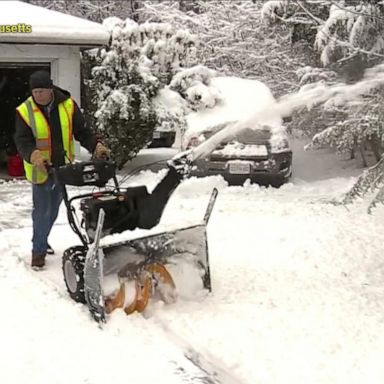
[156,135]
[239,168]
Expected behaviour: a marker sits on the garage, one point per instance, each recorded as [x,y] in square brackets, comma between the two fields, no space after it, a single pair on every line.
[53,42]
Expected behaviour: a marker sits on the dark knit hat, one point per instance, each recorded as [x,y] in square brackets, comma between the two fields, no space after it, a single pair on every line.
[40,79]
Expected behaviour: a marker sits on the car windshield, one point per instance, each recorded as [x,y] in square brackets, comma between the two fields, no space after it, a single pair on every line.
[249,135]
[246,136]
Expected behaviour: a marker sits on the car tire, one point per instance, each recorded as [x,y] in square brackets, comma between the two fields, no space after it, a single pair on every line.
[73,272]
[278,181]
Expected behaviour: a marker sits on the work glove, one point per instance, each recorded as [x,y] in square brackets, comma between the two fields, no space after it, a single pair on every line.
[182,163]
[38,160]
[102,152]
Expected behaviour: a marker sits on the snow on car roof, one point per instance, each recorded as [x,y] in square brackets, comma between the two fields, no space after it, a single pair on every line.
[244,103]
[241,99]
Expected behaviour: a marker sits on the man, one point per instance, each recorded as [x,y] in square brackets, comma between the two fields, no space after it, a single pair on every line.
[46,125]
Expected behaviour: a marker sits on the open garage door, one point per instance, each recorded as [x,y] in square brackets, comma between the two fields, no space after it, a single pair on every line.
[14,89]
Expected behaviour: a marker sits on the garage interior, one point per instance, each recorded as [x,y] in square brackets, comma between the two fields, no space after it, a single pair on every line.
[14,89]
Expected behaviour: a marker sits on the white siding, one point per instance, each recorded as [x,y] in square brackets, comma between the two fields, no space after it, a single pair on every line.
[65,62]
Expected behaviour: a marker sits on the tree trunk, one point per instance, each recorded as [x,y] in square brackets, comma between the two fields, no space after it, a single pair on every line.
[363,158]
[376,148]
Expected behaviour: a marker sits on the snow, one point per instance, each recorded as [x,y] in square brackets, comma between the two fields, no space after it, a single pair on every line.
[269,112]
[234,91]
[237,149]
[239,99]
[297,292]
[297,288]
[49,26]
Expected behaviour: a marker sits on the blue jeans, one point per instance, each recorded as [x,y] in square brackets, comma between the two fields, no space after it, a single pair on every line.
[47,198]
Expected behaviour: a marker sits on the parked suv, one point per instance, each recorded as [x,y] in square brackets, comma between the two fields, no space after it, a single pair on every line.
[162,139]
[262,155]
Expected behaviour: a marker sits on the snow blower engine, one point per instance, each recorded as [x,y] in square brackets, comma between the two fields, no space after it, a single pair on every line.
[125,272]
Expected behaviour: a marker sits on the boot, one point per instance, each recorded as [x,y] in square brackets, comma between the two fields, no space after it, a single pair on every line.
[38,260]
[50,250]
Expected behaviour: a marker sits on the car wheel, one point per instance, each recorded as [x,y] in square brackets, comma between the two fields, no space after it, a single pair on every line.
[278,181]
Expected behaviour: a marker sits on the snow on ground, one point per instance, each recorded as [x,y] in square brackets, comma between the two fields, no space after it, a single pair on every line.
[297,292]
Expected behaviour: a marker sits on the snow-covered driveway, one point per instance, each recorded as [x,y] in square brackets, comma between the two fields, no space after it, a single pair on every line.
[298,297]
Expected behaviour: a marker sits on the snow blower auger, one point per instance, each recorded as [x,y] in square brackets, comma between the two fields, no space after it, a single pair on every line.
[127,274]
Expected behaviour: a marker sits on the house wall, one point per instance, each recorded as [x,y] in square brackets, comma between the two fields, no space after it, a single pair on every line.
[65,62]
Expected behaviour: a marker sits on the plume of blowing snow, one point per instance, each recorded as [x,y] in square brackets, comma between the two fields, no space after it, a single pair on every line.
[310,95]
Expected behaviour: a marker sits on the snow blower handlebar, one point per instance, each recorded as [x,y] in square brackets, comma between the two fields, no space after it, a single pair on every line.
[93,173]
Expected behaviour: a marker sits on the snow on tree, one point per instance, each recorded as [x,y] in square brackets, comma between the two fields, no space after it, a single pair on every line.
[124,88]
[274,9]
[167,50]
[94,10]
[127,76]
[234,41]
[171,110]
[194,85]
[351,30]
[371,181]
[361,129]
[312,118]
[341,30]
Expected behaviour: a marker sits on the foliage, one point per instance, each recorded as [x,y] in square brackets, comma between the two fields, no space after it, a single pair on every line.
[94,10]
[340,30]
[141,59]
[234,41]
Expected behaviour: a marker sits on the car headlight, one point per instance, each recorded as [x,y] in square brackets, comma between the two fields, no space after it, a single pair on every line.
[194,141]
[284,144]
[279,145]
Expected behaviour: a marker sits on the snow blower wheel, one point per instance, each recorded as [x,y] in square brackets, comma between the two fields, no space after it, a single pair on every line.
[73,271]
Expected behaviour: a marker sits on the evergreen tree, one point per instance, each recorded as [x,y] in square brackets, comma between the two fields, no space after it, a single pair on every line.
[127,76]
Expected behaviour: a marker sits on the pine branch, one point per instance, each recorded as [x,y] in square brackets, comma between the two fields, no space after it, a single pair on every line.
[378,199]
[356,12]
[350,46]
[311,15]
[366,182]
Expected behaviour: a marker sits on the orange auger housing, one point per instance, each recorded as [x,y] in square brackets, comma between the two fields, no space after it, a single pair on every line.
[150,279]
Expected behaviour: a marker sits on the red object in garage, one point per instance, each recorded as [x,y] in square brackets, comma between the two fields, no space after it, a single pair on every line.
[15,165]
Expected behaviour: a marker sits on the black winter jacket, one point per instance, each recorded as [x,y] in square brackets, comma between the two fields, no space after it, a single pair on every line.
[25,141]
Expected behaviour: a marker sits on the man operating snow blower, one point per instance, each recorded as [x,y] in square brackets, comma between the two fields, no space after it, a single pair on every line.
[46,125]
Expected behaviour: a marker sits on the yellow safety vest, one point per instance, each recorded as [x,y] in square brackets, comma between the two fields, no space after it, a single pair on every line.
[35,119]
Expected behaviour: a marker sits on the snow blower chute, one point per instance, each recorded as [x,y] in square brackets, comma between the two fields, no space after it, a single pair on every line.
[127,274]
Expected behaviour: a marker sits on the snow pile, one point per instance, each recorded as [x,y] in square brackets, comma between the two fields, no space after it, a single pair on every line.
[243,104]
[195,85]
[240,98]
[240,150]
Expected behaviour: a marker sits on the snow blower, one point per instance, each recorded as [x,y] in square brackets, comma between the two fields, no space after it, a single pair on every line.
[128,274]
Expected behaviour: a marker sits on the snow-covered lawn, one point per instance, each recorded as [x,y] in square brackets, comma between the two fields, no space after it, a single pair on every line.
[298,293]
